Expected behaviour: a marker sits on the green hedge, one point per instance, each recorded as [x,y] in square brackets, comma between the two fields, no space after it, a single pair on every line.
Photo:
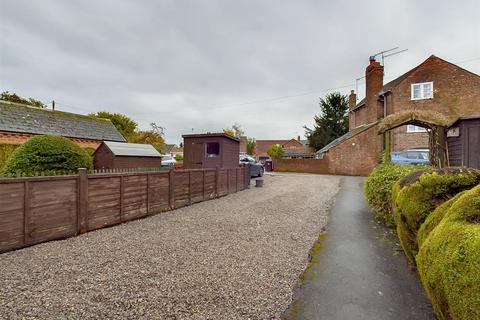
[47,153]
[6,150]
[449,260]
[418,194]
[378,188]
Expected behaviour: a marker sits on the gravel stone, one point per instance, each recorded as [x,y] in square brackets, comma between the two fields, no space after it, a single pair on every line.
[237,257]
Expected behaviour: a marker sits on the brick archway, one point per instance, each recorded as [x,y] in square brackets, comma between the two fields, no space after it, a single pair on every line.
[435,123]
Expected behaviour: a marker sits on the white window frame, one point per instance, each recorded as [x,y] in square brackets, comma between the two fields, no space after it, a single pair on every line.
[422,93]
[411,128]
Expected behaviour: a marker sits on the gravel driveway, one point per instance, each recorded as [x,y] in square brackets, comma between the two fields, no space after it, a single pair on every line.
[237,257]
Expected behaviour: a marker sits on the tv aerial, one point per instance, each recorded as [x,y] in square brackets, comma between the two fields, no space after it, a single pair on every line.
[383,55]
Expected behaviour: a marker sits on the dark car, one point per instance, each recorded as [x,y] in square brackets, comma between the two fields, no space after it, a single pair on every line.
[256,168]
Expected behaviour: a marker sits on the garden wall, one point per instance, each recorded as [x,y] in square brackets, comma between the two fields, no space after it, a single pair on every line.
[39,209]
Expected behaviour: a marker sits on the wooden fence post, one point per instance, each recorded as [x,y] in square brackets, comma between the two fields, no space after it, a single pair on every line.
[148,193]
[26,210]
[217,181]
[171,189]
[121,198]
[82,222]
[189,187]
[228,181]
[203,184]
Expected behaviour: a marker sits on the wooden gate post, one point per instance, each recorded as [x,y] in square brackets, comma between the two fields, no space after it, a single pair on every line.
[217,180]
[82,201]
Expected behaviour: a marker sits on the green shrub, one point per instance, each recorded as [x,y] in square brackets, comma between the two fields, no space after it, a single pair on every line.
[6,150]
[434,218]
[449,260]
[179,157]
[418,194]
[378,188]
[90,150]
[47,153]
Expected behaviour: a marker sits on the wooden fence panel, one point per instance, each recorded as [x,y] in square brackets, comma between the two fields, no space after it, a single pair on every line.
[196,184]
[38,209]
[52,210]
[134,197]
[12,199]
[158,192]
[103,202]
[223,182]
[209,185]
[181,188]
[232,180]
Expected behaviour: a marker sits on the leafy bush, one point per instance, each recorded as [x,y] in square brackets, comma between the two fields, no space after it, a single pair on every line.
[47,153]
[275,151]
[378,188]
[179,157]
[6,150]
[449,260]
[90,150]
[418,194]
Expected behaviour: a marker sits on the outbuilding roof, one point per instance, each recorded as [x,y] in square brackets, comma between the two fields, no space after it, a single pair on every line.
[132,149]
[206,135]
[24,119]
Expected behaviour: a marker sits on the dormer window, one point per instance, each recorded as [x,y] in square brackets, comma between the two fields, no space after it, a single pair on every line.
[422,90]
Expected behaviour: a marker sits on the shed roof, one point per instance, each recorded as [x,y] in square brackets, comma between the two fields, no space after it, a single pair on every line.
[206,135]
[132,149]
[24,119]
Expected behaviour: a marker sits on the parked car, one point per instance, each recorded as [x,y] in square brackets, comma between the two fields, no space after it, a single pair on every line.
[412,156]
[168,161]
[256,168]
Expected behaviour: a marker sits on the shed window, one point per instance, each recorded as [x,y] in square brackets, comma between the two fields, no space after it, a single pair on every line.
[213,149]
[422,90]
[412,128]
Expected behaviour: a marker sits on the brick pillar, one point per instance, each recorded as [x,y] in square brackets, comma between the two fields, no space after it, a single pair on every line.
[352,102]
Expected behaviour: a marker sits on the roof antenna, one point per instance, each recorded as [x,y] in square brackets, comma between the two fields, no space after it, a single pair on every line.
[382,53]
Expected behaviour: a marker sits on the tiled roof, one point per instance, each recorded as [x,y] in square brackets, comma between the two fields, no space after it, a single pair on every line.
[346,136]
[31,120]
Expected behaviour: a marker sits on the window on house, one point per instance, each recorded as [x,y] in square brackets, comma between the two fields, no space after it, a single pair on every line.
[213,149]
[412,128]
[422,90]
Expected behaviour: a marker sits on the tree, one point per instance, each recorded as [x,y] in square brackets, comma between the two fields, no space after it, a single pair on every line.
[275,151]
[251,144]
[13,97]
[153,137]
[124,124]
[234,131]
[331,123]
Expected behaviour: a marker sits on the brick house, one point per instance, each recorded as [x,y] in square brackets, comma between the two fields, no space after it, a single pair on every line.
[435,84]
[292,147]
[18,123]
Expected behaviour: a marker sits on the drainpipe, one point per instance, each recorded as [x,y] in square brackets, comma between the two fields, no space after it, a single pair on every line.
[386,135]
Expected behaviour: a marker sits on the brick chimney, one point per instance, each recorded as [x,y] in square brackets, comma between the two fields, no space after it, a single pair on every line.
[298,138]
[352,100]
[374,84]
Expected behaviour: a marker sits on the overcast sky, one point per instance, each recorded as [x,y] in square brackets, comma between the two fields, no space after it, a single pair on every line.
[204,65]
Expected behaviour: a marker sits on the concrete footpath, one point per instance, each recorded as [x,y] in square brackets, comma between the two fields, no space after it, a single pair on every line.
[358,270]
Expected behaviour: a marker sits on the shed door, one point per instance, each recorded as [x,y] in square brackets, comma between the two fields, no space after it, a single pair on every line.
[197,155]
[473,147]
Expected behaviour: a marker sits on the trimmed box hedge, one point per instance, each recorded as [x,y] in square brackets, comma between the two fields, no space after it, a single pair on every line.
[449,258]
[420,193]
[378,188]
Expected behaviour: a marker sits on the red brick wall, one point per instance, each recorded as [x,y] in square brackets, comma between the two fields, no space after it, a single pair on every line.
[401,139]
[11,137]
[456,92]
[355,156]
[301,165]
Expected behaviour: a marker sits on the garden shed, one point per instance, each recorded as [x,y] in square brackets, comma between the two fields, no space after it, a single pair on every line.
[114,155]
[463,139]
[209,150]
